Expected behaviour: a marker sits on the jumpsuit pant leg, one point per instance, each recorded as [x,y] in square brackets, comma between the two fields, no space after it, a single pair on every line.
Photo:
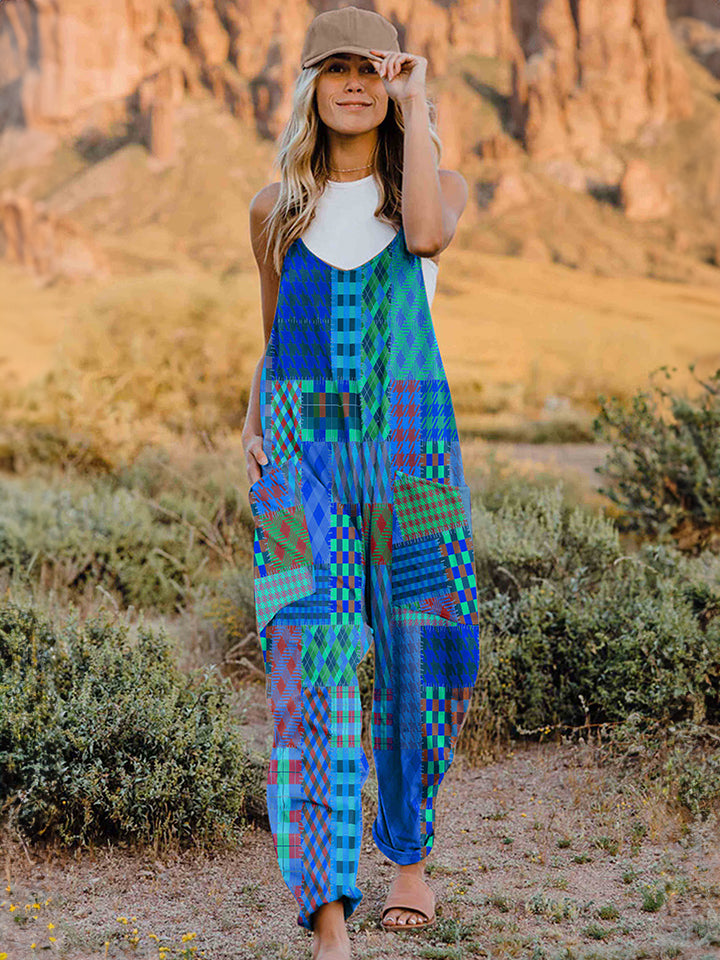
[423,612]
[312,646]
[391,565]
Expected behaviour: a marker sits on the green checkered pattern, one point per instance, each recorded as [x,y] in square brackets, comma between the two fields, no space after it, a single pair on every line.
[436,762]
[423,507]
[461,570]
[436,460]
[347,578]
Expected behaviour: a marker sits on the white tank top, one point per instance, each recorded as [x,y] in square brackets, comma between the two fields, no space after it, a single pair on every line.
[345,233]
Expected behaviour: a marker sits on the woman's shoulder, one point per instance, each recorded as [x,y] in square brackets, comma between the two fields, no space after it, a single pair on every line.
[261,207]
[265,199]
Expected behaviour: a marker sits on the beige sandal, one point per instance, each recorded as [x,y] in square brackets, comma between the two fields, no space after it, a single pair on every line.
[408,892]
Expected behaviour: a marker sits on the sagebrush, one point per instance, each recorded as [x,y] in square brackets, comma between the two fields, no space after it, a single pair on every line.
[102,737]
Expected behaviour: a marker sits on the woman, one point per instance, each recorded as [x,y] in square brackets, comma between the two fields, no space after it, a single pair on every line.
[363,523]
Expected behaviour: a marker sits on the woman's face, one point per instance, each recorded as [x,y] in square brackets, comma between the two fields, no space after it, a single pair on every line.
[351,96]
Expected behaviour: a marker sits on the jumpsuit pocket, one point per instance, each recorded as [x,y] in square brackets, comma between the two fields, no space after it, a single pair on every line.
[433,556]
[282,553]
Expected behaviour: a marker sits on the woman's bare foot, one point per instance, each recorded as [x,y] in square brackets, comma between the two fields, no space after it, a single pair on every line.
[330,936]
[398,915]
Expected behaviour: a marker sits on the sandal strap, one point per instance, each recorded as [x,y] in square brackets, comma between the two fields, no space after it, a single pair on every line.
[410,893]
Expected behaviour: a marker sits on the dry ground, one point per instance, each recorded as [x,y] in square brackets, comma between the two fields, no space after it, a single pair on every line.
[545,853]
[542,853]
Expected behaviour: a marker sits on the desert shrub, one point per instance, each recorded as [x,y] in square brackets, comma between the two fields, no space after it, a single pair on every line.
[81,535]
[574,632]
[230,607]
[532,534]
[664,467]
[155,534]
[498,481]
[682,760]
[202,494]
[103,738]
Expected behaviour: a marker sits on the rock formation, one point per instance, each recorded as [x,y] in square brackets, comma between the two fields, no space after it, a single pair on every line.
[68,63]
[644,192]
[593,72]
[585,70]
[586,76]
[45,243]
[157,98]
[702,40]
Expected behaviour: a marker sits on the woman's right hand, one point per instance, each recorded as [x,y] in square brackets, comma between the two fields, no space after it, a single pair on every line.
[254,456]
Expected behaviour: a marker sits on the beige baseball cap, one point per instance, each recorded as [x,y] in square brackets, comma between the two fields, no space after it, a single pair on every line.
[347,30]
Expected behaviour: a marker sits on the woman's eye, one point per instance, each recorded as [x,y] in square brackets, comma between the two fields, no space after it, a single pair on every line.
[368,68]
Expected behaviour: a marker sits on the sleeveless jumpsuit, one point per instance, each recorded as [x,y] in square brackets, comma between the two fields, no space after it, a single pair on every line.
[363,534]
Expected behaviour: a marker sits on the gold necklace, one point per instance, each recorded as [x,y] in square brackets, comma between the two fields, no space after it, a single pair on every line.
[350,169]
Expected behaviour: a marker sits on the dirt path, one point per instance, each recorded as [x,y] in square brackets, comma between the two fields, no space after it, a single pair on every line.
[540,852]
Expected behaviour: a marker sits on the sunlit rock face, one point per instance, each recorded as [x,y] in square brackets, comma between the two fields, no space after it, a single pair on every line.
[584,70]
[594,71]
[65,63]
[45,243]
[583,77]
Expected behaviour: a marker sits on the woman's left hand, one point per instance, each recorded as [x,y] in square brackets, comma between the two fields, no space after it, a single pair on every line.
[403,73]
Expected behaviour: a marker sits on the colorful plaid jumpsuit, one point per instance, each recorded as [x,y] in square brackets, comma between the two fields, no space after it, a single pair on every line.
[363,534]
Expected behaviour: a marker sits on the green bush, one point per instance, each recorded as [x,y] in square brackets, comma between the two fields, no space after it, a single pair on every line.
[665,470]
[573,631]
[103,738]
[149,545]
[681,759]
[533,535]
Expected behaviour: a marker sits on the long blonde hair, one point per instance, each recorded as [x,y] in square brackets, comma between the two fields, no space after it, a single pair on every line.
[303,160]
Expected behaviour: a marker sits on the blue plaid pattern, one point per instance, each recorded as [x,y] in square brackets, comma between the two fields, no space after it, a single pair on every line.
[346,326]
[352,394]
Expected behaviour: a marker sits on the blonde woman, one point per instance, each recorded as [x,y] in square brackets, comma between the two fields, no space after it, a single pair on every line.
[362,514]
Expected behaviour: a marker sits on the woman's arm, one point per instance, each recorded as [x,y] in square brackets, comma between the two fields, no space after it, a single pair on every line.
[433,200]
[252,439]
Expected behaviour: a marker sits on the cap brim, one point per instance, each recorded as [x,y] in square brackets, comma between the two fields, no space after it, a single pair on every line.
[363,51]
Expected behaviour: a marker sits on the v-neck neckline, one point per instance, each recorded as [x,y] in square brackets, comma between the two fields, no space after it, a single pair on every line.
[360,265]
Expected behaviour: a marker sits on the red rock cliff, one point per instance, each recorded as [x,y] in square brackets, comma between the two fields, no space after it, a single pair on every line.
[584,70]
